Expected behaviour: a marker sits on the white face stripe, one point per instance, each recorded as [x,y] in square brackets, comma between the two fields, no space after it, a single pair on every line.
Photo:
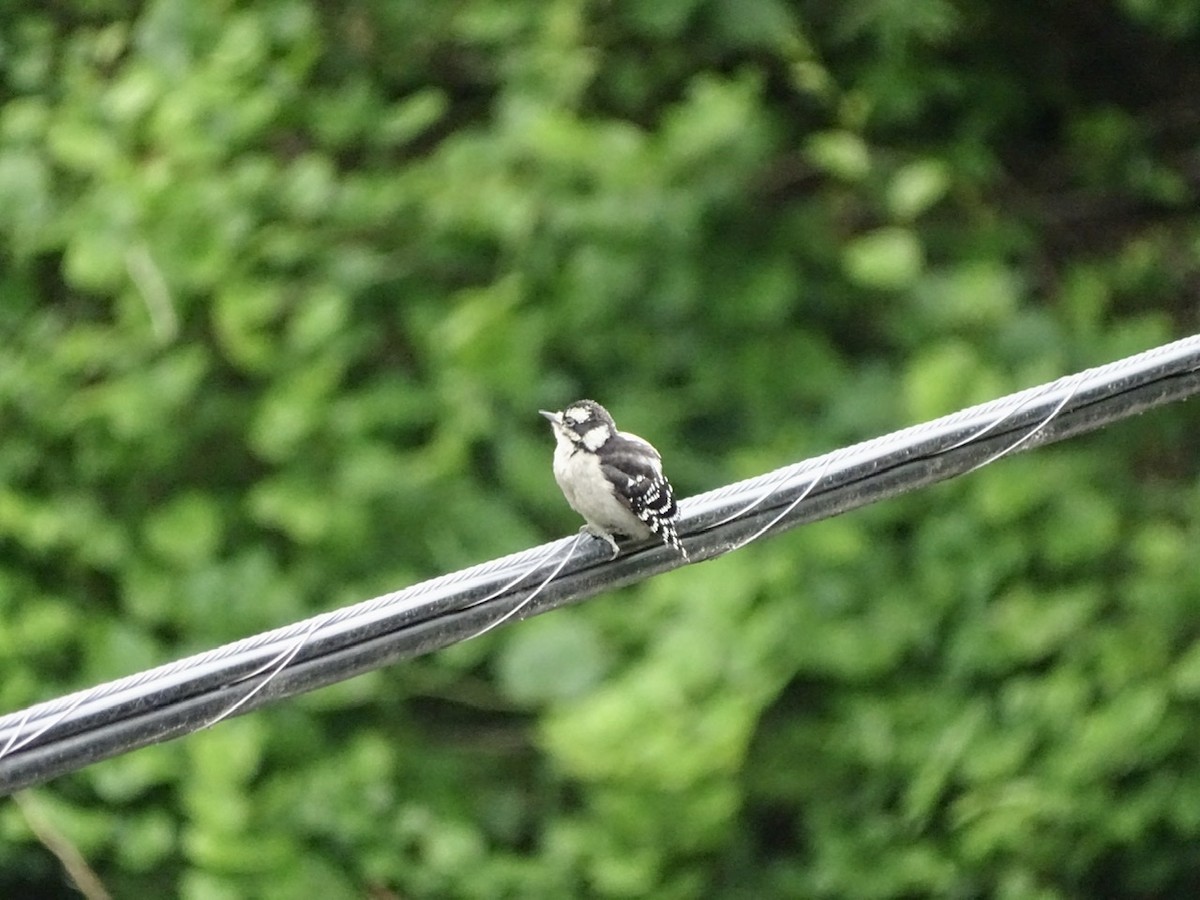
[577,414]
[595,438]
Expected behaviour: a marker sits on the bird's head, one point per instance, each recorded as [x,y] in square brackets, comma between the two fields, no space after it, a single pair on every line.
[584,422]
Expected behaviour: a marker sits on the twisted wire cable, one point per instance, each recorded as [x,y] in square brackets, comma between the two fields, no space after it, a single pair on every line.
[61,735]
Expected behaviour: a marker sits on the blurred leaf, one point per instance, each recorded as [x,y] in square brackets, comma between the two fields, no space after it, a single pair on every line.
[551,659]
[917,187]
[841,153]
[887,259]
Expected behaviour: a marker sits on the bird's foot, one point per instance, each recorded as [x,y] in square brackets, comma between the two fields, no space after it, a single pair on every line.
[604,536]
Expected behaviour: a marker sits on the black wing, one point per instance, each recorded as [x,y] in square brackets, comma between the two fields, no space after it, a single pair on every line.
[636,468]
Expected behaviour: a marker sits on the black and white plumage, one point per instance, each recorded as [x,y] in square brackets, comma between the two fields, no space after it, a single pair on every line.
[612,478]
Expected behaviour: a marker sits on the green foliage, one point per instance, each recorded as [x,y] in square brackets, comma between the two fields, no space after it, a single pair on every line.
[284,284]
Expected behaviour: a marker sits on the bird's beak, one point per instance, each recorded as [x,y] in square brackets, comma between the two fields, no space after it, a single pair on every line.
[552,416]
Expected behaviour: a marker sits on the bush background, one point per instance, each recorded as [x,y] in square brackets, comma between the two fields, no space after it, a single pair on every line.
[284,283]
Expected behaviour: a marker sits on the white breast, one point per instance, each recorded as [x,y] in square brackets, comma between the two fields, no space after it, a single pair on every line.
[590,494]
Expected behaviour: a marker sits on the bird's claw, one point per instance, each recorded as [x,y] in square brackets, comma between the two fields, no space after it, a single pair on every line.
[604,536]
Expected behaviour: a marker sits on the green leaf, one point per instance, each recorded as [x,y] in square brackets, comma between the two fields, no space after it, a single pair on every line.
[886,259]
[843,154]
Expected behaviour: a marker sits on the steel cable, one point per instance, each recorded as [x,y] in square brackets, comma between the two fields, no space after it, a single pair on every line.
[64,734]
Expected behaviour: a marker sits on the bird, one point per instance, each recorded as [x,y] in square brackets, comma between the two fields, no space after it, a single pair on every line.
[612,478]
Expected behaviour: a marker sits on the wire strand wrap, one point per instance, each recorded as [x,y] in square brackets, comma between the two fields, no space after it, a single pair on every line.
[67,733]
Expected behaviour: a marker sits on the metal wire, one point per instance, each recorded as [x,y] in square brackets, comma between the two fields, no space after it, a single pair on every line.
[62,735]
